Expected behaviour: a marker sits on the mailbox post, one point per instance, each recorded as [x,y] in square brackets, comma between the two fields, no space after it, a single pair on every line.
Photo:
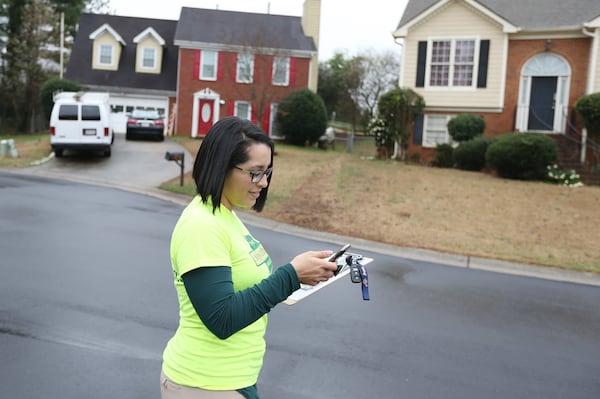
[178,157]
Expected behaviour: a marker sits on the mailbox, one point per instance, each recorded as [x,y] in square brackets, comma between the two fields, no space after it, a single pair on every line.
[174,156]
[178,157]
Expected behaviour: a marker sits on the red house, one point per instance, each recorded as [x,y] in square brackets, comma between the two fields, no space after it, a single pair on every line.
[207,65]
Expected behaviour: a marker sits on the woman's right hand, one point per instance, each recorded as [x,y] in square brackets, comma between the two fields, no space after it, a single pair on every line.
[312,267]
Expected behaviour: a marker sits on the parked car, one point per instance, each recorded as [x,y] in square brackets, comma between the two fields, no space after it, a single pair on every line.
[145,123]
[81,121]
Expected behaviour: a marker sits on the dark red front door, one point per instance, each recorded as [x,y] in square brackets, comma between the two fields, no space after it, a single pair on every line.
[205,116]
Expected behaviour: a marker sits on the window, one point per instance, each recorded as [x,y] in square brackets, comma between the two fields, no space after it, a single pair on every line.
[452,63]
[245,67]
[68,113]
[149,58]
[281,71]
[243,109]
[208,65]
[106,54]
[436,131]
[90,113]
[273,122]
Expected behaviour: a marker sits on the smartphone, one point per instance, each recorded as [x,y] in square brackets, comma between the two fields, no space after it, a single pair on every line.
[339,253]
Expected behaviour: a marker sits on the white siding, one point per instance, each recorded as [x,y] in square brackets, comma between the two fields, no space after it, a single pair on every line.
[458,20]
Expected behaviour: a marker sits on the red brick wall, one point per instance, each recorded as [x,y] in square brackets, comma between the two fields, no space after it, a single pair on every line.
[260,93]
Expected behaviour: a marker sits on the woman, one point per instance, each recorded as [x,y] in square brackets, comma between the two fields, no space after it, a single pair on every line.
[223,276]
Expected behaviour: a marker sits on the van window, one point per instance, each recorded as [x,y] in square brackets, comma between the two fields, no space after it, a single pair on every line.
[67,112]
[90,113]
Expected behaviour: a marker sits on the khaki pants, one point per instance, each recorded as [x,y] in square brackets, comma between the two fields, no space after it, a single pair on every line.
[171,390]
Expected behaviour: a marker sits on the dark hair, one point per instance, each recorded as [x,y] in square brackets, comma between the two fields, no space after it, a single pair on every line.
[225,146]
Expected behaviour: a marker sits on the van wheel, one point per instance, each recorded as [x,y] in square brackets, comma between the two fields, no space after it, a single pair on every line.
[107,153]
[59,152]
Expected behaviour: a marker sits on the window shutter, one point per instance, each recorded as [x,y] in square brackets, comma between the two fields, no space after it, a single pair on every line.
[421,63]
[418,130]
[220,62]
[196,65]
[484,52]
[293,69]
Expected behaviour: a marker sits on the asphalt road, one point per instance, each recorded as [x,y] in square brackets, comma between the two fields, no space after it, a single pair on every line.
[87,304]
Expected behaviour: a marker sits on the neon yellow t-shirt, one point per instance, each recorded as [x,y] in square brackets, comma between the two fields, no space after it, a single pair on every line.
[195,356]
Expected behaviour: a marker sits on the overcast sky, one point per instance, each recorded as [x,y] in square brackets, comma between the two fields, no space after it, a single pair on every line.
[346,26]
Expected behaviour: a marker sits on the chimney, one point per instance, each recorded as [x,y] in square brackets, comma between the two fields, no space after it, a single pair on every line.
[311,24]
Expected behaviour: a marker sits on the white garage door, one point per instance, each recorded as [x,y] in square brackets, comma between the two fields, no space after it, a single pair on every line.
[121,107]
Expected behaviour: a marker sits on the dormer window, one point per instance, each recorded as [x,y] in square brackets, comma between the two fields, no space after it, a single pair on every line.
[107,44]
[149,58]
[106,54]
[149,51]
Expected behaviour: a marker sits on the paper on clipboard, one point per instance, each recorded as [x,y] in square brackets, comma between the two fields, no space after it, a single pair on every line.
[307,290]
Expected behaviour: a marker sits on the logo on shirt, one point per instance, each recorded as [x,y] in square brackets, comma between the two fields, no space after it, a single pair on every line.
[258,253]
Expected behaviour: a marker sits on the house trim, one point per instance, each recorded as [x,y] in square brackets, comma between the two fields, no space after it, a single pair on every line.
[240,49]
[204,94]
[149,32]
[106,27]
[507,27]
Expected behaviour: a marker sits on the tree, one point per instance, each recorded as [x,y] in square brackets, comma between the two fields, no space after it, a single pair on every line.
[338,78]
[351,87]
[379,75]
[29,39]
[397,109]
[302,117]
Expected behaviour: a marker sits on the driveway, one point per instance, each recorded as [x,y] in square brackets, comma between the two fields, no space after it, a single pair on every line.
[135,165]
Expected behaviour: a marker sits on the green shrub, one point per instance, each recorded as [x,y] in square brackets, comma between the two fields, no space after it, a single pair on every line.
[302,117]
[465,127]
[521,156]
[444,156]
[50,87]
[470,155]
[589,109]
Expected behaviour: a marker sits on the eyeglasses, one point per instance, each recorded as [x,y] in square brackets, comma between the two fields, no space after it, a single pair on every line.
[256,176]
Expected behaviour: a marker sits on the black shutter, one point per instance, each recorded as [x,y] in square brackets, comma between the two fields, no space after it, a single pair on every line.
[421,62]
[418,130]
[484,53]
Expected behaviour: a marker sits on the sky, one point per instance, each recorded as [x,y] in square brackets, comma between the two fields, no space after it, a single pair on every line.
[346,26]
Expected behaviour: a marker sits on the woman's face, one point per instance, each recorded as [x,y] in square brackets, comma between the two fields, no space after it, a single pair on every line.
[239,191]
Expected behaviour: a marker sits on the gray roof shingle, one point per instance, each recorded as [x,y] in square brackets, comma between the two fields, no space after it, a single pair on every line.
[526,14]
[232,28]
[79,67]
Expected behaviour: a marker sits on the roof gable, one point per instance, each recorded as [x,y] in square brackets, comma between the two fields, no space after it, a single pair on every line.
[107,28]
[217,28]
[149,32]
[528,15]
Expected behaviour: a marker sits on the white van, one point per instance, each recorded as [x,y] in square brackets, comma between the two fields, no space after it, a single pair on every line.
[81,121]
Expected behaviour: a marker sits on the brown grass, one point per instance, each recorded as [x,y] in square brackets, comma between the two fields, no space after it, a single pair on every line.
[445,210]
[29,148]
[417,206]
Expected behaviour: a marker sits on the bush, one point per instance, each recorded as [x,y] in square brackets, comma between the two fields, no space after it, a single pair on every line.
[521,156]
[50,87]
[470,155]
[465,127]
[302,117]
[589,109]
[444,156]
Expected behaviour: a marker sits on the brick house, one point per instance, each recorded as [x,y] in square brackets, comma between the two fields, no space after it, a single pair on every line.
[207,65]
[522,67]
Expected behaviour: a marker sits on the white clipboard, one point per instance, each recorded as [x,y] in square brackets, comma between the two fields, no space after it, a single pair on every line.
[307,290]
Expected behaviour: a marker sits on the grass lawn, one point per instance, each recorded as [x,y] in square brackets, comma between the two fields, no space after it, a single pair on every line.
[416,206]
